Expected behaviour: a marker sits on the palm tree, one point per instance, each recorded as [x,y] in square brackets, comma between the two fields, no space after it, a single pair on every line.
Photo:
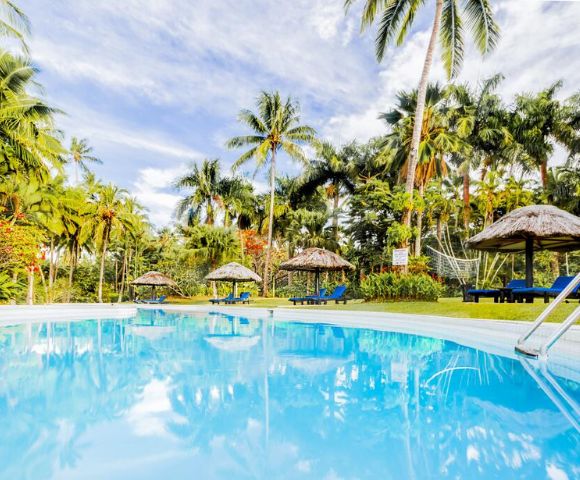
[14,23]
[540,122]
[109,213]
[205,198]
[481,119]
[80,155]
[334,170]
[237,197]
[29,144]
[396,20]
[276,127]
[437,141]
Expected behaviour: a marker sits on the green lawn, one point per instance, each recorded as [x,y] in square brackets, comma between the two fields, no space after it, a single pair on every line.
[448,307]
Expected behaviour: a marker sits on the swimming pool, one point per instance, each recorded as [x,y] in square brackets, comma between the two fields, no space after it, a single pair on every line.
[212,395]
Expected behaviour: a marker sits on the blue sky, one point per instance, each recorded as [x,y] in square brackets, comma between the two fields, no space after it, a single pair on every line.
[156,84]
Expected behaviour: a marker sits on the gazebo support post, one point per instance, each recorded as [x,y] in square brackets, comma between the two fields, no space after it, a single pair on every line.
[234,289]
[317,282]
[529,262]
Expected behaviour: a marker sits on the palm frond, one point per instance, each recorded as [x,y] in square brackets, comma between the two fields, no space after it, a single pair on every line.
[451,38]
[482,24]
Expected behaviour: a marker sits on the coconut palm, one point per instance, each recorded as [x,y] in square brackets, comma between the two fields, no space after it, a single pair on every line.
[481,119]
[396,21]
[29,144]
[275,127]
[540,122]
[333,170]
[437,141]
[14,23]
[108,214]
[205,198]
[80,155]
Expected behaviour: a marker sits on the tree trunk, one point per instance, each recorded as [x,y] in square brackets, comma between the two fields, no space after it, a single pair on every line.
[123,274]
[544,174]
[102,269]
[419,226]
[466,201]
[242,246]
[51,263]
[439,230]
[335,217]
[70,279]
[271,222]
[419,111]
[30,291]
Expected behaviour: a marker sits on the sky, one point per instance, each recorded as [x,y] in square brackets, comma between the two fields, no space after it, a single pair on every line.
[156,85]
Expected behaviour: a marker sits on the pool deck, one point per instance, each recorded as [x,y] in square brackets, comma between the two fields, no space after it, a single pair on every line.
[493,336]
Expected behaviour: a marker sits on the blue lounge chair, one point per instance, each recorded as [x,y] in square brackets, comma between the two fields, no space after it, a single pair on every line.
[307,298]
[155,301]
[528,294]
[493,292]
[337,295]
[213,301]
[243,298]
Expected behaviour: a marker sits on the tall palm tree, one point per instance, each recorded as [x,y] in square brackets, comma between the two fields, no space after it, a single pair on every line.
[205,198]
[14,23]
[29,144]
[333,170]
[275,127]
[437,141]
[80,155]
[108,213]
[396,20]
[540,122]
[482,120]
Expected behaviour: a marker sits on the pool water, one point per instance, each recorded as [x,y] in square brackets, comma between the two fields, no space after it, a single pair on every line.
[180,396]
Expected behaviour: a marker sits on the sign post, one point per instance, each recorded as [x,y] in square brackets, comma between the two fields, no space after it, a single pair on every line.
[400,256]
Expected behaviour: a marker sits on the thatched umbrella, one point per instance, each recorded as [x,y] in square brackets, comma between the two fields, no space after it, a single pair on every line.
[233,272]
[537,227]
[154,279]
[317,260]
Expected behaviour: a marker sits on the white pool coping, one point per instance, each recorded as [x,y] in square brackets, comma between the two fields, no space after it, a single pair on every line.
[493,336]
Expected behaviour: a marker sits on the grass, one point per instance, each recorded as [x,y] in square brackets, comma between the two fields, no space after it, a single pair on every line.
[447,307]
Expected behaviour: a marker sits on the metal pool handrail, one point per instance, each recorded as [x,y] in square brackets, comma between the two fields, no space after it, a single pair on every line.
[572,318]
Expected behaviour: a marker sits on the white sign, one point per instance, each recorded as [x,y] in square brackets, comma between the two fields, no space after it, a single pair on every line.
[400,256]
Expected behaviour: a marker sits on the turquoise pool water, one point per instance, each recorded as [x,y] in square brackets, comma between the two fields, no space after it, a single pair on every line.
[177,396]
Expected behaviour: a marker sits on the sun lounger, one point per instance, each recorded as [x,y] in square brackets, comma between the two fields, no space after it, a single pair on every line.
[337,295]
[307,298]
[521,294]
[243,298]
[154,301]
[213,301]
[494,292]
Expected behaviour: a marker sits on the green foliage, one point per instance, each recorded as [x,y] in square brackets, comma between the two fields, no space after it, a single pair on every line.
[391,286]
[8,288]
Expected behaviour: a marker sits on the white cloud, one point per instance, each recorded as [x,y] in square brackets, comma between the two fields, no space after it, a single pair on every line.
[153,188]
[537,47]
[199,61]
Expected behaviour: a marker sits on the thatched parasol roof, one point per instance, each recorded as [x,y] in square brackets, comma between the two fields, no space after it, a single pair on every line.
[233,272]
[313,259]
[549,227]
[154,279]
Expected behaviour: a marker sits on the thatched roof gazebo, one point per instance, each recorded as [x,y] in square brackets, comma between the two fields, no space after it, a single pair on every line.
[233,272]
[154,280]
[317,260]
[537,227]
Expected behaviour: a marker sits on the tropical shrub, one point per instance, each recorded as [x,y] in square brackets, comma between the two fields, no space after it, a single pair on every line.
[8,288]
[394,286]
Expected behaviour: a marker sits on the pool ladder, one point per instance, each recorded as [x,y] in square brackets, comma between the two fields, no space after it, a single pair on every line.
[542,350]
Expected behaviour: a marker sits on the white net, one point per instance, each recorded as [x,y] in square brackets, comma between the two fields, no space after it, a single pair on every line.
[447,266]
